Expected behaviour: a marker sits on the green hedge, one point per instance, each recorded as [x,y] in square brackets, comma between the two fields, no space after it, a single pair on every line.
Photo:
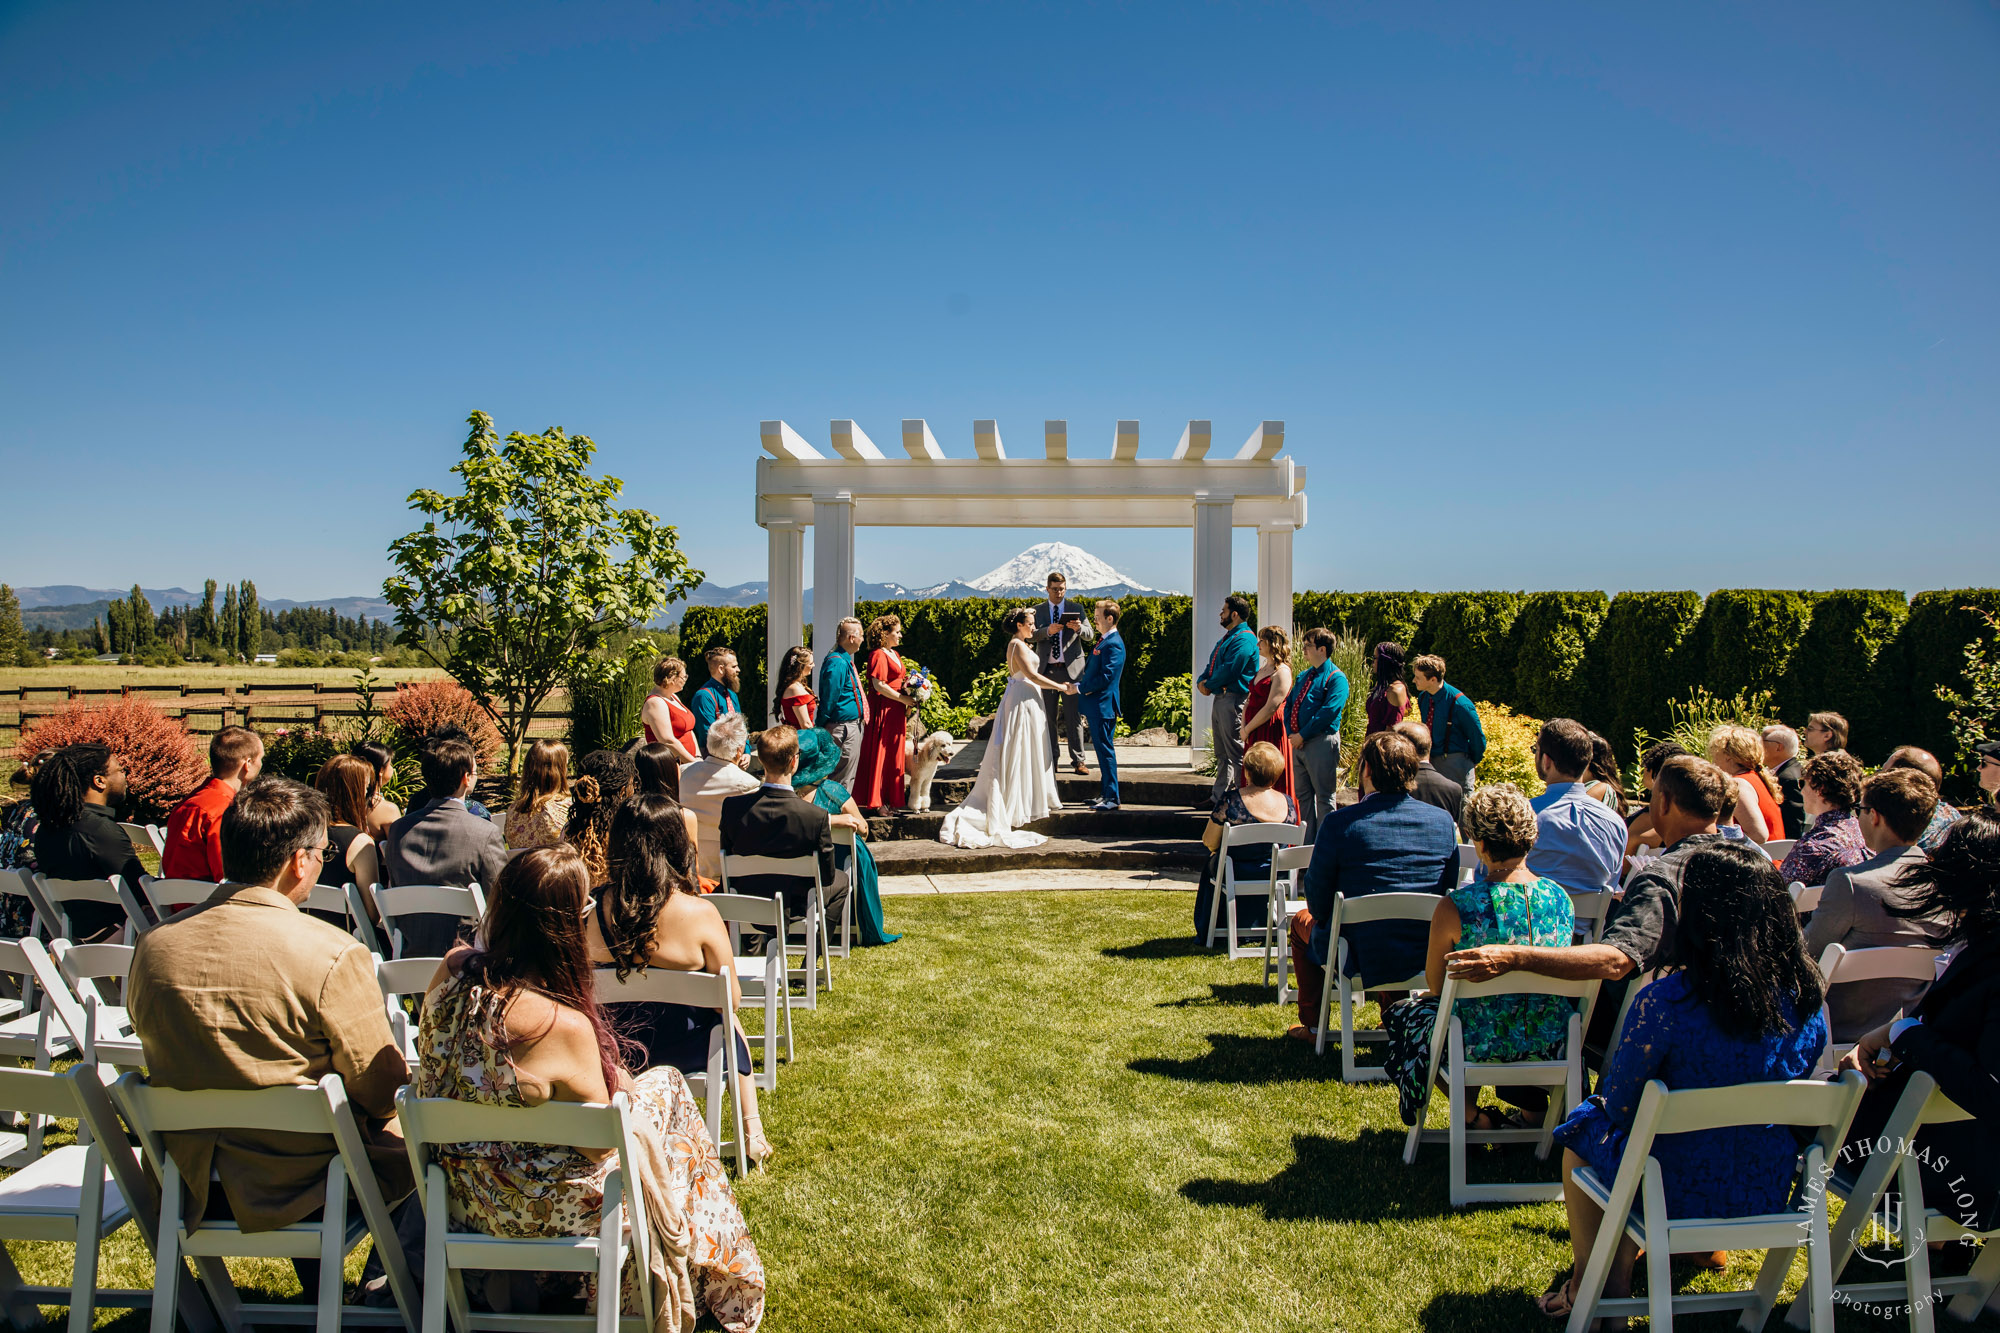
[1472,632]
[1630,667]
[1927,652]
[1744,640]
[1834,667]
[1552,635]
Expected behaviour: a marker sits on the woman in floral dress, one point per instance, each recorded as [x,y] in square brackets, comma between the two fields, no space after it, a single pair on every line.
[1506,904]
[514,1024]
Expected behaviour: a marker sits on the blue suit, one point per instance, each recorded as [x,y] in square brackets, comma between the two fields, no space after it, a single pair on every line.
[1097,697]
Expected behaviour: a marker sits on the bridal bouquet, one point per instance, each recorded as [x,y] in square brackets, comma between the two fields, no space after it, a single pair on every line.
[918,686]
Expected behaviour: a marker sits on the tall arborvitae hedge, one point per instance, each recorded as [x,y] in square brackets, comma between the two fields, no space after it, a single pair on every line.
[1472,632]
[1927,652]
[1744,640]
[1553,633]
[1630,667]
[1834,666]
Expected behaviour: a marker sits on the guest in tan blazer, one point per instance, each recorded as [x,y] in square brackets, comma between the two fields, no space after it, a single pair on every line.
[246,991]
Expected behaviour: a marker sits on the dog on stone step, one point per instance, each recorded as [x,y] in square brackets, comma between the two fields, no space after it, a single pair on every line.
[931,754]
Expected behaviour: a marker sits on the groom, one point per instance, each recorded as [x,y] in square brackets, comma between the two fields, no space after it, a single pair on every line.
[1098,693]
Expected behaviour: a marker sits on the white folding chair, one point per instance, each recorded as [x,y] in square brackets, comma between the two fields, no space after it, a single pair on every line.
[467,904]
[816,966]
[761,980]
[1590,907]
[361,923]
[701,990]
[1468,863]
[1805,900]
[1916,1225]
[1634,1204]
[1562,1076]
[1780,848]
[318,1109]
[145,838]
[401,979]
[68,975]
[1842,966]
[33,1034]
[622,1227]
[1353,912]
[52,899]
[1287,901]
[844,948]
[165,896]
[1222,904]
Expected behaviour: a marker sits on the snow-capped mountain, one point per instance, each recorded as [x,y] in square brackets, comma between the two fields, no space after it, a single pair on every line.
[1027,575]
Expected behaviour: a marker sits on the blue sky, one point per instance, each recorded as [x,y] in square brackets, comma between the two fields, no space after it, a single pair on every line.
[1548,296]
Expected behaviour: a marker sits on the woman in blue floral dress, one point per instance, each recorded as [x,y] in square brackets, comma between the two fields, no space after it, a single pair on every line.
[1506,904]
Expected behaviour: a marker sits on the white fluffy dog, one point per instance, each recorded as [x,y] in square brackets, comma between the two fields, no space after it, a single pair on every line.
[930,755]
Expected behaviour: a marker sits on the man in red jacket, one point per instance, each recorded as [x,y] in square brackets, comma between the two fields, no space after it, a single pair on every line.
[194,829]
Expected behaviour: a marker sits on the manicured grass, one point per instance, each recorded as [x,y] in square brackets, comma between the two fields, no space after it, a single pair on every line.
[1046,1111]
[93,675]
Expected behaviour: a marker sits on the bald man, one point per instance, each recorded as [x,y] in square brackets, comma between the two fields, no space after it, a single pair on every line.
[1924,762]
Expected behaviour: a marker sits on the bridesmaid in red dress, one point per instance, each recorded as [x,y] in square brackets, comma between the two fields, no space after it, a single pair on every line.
[880,782]
[797,705]
[1264,706]
[663,717]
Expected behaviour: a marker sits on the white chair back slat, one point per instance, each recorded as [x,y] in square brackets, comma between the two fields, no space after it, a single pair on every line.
[467,904]
[1780,848]
[146,839]
[762,980]
[1222,903]
[699,990]
[1468,863]
[816,966]
[1805,898]
[1339,986]
[164,896]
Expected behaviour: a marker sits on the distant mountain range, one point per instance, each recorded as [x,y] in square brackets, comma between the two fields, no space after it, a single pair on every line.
[71,606]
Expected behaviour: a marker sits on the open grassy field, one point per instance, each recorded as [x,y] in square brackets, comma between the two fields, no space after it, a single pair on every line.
[95,676]
[1049,1111]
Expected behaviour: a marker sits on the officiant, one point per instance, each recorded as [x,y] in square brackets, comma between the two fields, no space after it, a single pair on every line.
[1059,652]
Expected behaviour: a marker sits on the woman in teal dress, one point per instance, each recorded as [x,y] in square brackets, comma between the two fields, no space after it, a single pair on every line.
[819,755]
[1506,904]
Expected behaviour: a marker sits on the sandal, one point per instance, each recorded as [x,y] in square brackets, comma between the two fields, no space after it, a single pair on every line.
[1486,1120]
[1558,1300]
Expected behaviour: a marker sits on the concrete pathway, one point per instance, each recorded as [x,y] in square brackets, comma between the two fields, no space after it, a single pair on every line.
[1040,881]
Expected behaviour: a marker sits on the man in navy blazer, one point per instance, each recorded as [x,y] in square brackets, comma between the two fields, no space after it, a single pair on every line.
[1097,693]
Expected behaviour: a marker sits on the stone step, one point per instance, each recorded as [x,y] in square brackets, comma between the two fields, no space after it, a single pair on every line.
[1169,790]
[1158,822]
[1079,853]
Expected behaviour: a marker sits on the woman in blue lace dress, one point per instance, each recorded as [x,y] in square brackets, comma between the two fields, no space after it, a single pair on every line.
[1742,1005]
[1506,904]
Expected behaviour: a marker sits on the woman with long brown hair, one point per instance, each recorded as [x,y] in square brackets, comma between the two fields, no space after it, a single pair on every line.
[541,804]
[797,705]
[604,779]
[514,1022]
[880,783]
[348,783]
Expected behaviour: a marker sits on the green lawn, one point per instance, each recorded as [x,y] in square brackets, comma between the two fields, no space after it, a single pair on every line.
[1046,1111]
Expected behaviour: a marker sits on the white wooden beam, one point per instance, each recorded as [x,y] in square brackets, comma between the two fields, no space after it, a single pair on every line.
[1055,440]
[1083,510]
[852,442]
[986,440]
[1194,442]
[1264,442]
[1112,482]
[918,442]
[781,441]
[1125,444]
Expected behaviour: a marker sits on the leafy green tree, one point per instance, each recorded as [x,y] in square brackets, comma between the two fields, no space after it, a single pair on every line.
[204,625]
[249,623]
[510,584]
[225,625]
[141,612]
[13,638]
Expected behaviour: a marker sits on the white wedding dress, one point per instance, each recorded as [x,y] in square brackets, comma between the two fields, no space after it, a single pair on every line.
[1017,777]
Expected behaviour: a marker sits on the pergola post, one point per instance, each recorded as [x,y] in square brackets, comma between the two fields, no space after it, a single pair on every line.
[785,606]
[833,566]
[1212,524]
[1274,575]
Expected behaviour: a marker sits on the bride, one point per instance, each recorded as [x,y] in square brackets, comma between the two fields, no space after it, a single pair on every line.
[1017,774]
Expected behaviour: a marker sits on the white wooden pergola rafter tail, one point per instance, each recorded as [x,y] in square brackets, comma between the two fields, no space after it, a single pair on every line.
[799,486]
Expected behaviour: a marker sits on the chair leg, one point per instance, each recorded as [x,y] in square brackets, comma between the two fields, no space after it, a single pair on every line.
[332,1249]
[19,1312]
[1214,913]
[1328,984]
[83,1281]
[1916,1253]
[1659,1259]
[1985,1277]
[1455,1100]
[436,1281]
[167,1254]
[610,1232]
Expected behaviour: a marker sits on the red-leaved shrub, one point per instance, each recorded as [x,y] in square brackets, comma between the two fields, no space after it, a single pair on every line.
[422,706]
[163,763]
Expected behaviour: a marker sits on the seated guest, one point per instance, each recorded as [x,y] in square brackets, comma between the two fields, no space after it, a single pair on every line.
[1259,800]
[451,731]
[541,801]
[345,781]
[650,913]
[1388,842]
[1825,733]
[1701,1027]
[1639,831]
[1507,904]
[514,1022]
[819,755]
[773,821]
[1433,787]
[1833,839]
[1602,779]
[1954,1033]
[17,848]
[1864,906]
[245,991]
[1739,752]
[194,829]
[75,791]
[707,784]
[655,772]
[1924,762]
[1639,929]
[1781,756]
[604,779]
[382,812]
[1579,842]
[442,842]
[717,694]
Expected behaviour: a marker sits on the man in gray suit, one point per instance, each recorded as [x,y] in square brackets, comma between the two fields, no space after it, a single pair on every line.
[1854,908]
[442,842]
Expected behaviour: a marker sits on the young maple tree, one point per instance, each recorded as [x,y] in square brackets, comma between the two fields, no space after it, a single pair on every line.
[510,584]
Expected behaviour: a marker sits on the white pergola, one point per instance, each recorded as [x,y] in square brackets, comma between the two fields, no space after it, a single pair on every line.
[798,487]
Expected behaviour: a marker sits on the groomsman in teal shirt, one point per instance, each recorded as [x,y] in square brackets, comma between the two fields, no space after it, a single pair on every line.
[1231,668]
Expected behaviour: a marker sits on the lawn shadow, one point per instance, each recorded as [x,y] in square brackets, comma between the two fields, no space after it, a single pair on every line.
[1481,1311]
[1362,1179]
[1247,1061]
[1247,993]
[1171,946]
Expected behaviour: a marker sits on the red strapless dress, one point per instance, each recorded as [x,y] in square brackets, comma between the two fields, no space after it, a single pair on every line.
[1272,731]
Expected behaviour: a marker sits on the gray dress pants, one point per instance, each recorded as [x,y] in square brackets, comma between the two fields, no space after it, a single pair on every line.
[847,735]
[1225,724]
[1315,778]
[1457,766]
